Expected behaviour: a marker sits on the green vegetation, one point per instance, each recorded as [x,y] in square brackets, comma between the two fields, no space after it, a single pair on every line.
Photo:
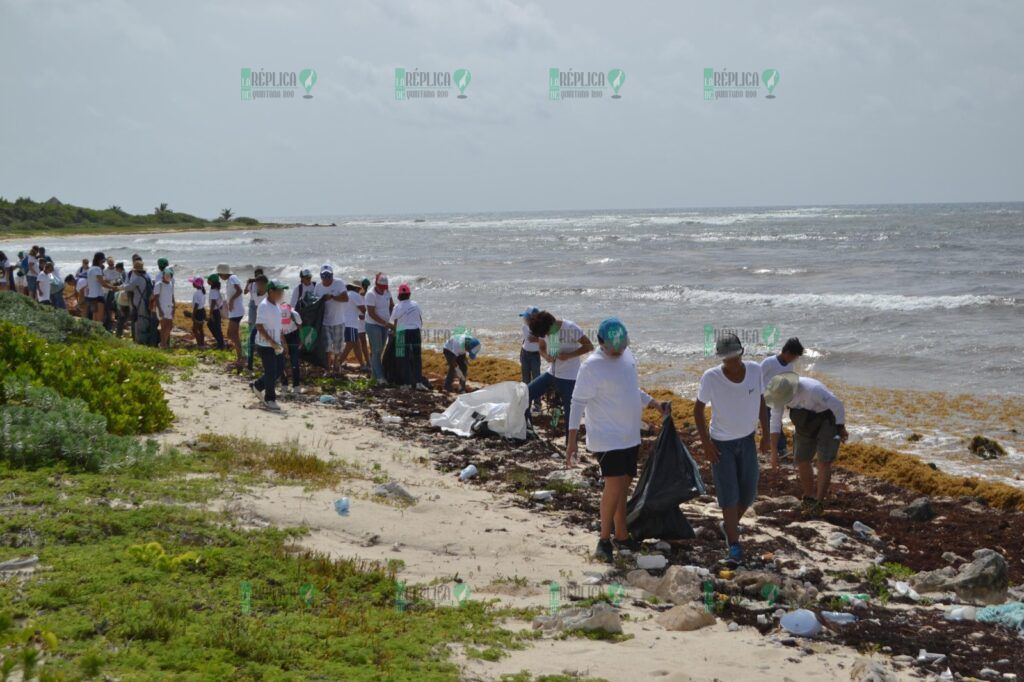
[24,216]
[878,576]
[141,583]
[112,379]
[45,321]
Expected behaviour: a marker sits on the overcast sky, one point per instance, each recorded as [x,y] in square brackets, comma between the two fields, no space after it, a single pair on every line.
[135,103]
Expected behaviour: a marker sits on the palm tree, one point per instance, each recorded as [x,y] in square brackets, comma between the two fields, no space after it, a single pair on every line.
[115,208]
[161,210]
[226,214]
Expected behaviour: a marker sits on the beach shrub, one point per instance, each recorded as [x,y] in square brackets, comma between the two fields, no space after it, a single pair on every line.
[45,321]
[108,378]
[39,427]
[246,220]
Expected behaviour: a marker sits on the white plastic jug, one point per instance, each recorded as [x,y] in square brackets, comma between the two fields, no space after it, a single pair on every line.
[802,623]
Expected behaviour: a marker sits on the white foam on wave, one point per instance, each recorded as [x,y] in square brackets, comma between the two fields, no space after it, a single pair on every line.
[601,261]
[886,302]
[779,271]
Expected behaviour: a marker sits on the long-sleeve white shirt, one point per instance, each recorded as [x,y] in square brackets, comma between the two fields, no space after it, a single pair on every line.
[608,391]
[811,395]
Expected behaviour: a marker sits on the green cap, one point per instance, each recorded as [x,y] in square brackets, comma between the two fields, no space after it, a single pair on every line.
[213,279]
[162,263]
[276,286]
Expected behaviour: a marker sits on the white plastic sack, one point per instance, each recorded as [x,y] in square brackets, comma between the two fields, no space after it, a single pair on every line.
[502,405]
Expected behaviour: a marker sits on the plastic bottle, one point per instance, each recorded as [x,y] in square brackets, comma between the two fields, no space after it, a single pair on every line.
[468,473]
[341,506]
[556,416]
[839,617]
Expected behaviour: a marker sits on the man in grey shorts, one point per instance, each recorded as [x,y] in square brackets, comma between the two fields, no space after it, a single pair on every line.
[819,422]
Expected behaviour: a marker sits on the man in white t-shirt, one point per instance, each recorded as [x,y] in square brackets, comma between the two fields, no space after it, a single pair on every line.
[773,365]
[561,343]
[234,307]
[735,391]
[270,344]
[378,303]
[163,304]
[353,309]
[336,295]
[43,284]
[608,392]
[819,422]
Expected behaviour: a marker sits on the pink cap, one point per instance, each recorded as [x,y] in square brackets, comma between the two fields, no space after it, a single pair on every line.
[404,289]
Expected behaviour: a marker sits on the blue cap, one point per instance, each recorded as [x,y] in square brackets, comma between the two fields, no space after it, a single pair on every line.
[473,347]
[613,333]
[532,310]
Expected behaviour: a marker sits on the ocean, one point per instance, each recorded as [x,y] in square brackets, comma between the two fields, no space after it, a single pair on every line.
[915,311]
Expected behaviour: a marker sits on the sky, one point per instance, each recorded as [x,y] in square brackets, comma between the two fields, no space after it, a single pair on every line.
[135,103]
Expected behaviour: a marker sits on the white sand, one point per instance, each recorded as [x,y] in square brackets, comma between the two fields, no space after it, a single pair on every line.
[455,529]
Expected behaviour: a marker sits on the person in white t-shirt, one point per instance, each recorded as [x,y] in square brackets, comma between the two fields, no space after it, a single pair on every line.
[529,353]
[234,308]
[378,303]
[608,392]
[198,310]
[819,422]
[43,285]
[6,280]
[270,343]
[735,391]
[561,343]
[364,287]
[162,304]
[216,300]
[32,271]
[336,295]
[291,323]
[351,313]
[457,349]
[407,323]
[95,292]
[773,365]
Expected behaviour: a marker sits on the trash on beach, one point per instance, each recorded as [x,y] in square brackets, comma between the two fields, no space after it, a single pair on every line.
[392,489]
[802,623]
[905,590]
[762,619]
[863,531]
[839,617]
[651,561]
[328,400]
[341,506]
[838,539]
[500,407]
[946,676]
[961,613]
[726,574]
[468,473]
[542,495]
[1009,615]
[930,659]
[390,419]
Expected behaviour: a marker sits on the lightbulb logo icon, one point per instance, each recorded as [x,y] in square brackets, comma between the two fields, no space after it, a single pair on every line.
[308,79]
[462,78]
[770,336]
[770,77]
[616,77]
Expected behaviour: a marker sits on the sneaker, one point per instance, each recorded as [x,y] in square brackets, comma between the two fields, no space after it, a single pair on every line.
[628,545]
[272,406]
[422,387]
[252,387]
[735,553]
[604,551]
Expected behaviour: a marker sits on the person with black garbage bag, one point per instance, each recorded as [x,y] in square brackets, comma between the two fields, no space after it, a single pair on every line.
[608,392]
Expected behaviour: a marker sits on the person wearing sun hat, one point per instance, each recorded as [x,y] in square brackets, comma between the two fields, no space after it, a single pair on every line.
[608,394]
[529,352]
[457,348]
[819,423]
[379,304]
[270,344]
[407,322]
[735,391]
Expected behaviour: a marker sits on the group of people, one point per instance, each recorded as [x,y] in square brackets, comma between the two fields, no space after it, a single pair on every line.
[598,385]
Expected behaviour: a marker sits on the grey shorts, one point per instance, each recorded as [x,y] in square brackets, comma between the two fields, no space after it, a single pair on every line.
[736,472]
[335,335]
[815,433]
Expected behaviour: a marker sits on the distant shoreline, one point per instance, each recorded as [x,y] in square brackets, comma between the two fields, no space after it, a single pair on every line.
[141,229]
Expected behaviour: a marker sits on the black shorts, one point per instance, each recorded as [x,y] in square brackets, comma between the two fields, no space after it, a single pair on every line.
[618,462]
[199,315]
[236,319]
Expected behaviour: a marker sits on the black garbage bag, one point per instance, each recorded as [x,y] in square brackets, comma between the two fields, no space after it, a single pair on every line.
[313,342]
[670,477]
[389,363]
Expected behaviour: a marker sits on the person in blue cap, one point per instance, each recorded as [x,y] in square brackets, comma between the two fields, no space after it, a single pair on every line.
[529,354]
[456,349]
[608,392]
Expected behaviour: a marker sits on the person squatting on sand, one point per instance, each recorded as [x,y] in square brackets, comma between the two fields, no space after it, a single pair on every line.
[819,423]
[607,390]
[456,349]
[735,392]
